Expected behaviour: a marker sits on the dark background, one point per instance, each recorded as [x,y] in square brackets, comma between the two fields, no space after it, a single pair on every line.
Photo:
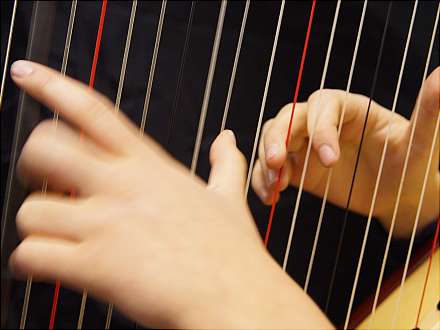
[245,105]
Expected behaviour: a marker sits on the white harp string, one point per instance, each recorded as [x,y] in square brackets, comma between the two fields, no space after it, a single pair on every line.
[234,68]
[403,175]
[8,49]
[341,121]
[24,311]
[416,222]
[263,101]
[382,160]
[309,146]
[126,52]
[118,103]
[153,67]
[208,86]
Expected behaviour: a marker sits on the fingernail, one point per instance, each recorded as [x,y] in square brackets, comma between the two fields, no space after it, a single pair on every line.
[229,133]
[263,194]
[272,151]
[271,177]
[327,154]
[21,69]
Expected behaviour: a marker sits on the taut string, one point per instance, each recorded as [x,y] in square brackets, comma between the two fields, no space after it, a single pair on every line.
[207,93]
[309,146]
[266,89]
[183,58]
[373,88]
[382,160]
[153,67]
[91,84]
[234,68]
[330,172]
[403,175]
[8,49]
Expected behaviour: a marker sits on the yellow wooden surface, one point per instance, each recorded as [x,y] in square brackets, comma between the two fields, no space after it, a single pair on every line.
[411,294]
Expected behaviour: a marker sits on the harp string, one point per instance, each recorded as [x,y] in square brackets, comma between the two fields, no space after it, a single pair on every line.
[309,146]
[346,212]
[8,49]
[118,103]
[152,67]
[91,83]
[207,92]
[382,160]
[24,311]
[234,68]
[428,272]
[416,221]
[403,175]
[295,98]
[263,102]
[330,172]
[183,58]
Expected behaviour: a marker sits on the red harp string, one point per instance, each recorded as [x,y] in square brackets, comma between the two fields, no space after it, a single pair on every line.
[295,98]
[72,193]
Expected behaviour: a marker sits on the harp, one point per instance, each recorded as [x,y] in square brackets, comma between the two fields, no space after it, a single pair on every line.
[378,291]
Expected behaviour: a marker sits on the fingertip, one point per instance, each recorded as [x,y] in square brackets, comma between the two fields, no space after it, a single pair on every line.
[327,155]
[275,155]
[21,69]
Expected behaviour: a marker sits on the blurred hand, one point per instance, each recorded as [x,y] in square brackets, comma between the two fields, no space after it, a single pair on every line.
[167,249]
[325,110]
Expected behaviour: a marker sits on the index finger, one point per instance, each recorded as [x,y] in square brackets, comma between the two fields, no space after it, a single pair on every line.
[85,108]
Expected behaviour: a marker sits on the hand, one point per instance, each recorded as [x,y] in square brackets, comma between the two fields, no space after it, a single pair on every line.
[325,109]
[168,250]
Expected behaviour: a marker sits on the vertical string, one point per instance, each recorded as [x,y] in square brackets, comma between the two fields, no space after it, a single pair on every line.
[382,160]
[234,68]
[183,58]
[416,222]
[373,88]
[153,67]
[207,93]
[91,84]
[27,294]
[403,174]
[24,311]
[330,173]
[428,272]
[309,146]
[266,89]
[125,57]
[8,49]
[118,103]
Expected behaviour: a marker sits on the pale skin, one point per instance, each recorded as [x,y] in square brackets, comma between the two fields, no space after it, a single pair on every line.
[324,110]
[140,231]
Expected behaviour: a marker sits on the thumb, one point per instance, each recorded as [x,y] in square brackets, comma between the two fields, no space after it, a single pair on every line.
[429,107]
[228,166]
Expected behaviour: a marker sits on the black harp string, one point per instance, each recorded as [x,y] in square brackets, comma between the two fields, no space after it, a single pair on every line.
[118,103]
[171,122]
[340,124]
[346,211]
[404,169]
[381,165]
[8,49]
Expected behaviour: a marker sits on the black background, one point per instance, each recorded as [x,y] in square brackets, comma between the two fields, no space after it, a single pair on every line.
[245,105]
